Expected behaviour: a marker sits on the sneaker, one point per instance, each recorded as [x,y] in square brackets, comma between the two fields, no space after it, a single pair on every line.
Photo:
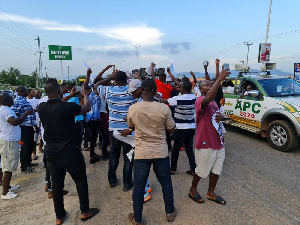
[147,197]
[9,195]
[27,170]
[171,217]
[14,187]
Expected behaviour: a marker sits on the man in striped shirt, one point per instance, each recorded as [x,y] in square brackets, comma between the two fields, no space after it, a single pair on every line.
[185,125]
[119,99]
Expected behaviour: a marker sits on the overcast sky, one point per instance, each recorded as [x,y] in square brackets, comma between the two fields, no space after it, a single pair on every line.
[188,32]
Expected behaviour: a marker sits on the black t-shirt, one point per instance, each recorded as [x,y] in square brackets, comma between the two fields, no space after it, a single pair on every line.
[58,120]
[219,96]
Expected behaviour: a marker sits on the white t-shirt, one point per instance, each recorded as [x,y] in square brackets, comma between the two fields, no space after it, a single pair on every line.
[43,99]
[8,132]
[34,103]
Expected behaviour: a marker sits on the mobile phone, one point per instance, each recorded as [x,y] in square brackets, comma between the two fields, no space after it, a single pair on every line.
[143,72]
[226,66]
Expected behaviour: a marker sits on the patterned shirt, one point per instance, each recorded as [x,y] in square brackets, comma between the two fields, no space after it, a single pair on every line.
[94,113]
[20,106]
[184,110]
[119,99]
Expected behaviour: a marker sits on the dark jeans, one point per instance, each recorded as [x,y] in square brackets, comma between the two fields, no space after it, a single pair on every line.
[79,131]
[115,151]
[186,137]
[168,138]
[96,127]
[87,135]
[73,163]
[161,168]
[27,134]
[47,176]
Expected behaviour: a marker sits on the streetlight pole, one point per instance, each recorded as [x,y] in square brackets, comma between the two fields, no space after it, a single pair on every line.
[268,24]
[248,44]
[137,54]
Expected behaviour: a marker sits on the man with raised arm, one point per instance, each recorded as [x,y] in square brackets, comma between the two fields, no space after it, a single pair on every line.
[119,100]
[63,153]
[209,143]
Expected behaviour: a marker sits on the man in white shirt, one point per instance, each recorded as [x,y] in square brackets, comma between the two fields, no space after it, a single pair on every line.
[10,136]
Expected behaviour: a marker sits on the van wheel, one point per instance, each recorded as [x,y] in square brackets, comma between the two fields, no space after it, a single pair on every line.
[282,136]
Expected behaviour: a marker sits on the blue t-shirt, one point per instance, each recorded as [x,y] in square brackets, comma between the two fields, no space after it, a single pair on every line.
[119,99]
[75,100]
[94,113]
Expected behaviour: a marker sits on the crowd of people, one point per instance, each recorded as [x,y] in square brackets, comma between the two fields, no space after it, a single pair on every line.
[138,115]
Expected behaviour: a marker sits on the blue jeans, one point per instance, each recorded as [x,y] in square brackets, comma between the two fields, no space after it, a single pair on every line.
[161,168]
[115,151]
[186,137]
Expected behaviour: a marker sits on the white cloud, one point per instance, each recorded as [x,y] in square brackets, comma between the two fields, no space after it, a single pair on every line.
[139,34]
[153,58]
[108,47]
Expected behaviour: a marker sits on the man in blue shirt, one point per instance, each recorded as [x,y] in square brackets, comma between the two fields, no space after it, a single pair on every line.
[119,99]
[96,127]
[27,128]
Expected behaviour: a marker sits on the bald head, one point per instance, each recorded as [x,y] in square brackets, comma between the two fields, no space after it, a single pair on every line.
[6,99]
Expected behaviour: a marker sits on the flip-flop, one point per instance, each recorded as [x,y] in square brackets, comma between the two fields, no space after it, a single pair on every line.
[196,198]
[218,200]
[94,212]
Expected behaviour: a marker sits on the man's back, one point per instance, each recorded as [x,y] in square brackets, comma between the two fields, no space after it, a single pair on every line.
[150,119]
[119,99]
[58,121]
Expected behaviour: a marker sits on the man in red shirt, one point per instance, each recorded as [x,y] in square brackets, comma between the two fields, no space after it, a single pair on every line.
[165,90]
[209,144]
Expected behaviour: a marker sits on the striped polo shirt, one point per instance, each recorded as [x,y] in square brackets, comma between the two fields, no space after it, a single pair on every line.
[118,100]
[184,115]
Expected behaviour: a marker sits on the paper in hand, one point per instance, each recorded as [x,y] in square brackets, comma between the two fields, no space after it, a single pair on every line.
[171,66]
[86,65]
[205,63]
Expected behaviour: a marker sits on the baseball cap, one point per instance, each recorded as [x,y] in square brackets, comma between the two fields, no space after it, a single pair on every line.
[134,84]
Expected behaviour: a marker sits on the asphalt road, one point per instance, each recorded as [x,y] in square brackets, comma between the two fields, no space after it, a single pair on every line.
[261,186]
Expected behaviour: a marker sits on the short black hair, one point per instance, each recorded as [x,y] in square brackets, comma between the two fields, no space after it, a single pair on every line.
[70,86]
[4,98]
[187,86]
[51,86]
[64,84]
[121,76]
[149,85]
[163,75]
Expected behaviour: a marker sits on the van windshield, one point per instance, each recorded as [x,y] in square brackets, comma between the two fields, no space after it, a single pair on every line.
[280,87]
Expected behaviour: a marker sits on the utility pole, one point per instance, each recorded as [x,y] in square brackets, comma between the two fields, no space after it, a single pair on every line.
[248,44]
[68,73]
[40,61]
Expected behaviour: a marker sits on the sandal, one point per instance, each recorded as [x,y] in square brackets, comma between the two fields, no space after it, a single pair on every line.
[94,211]
[190,172]
[196,198]
[218,200]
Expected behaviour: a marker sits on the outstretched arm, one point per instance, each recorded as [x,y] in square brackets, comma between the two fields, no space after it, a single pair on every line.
[194,76]
[102,72]
[152,71]
[217,68]
[211,94]
[207,77]
[17,121]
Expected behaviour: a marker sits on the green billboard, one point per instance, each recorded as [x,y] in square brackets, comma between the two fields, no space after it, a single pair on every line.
[57,52]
